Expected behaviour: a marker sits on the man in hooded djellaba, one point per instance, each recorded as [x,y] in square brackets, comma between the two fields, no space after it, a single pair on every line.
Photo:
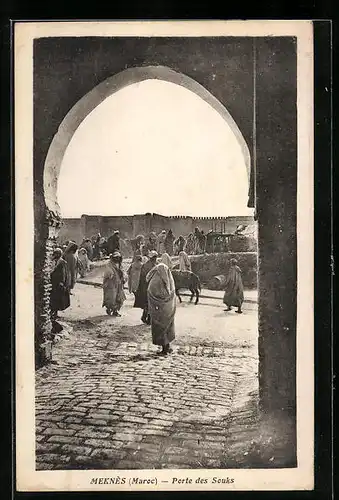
[113,285]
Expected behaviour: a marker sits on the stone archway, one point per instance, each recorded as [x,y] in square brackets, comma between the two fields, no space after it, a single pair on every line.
[105,89]
[72,73]
[67,128]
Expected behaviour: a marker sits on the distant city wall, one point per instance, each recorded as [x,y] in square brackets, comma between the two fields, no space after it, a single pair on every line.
[130,226]
[123,223]
[71,229]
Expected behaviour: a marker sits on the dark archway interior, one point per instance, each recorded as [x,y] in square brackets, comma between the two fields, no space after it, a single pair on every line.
[66,69]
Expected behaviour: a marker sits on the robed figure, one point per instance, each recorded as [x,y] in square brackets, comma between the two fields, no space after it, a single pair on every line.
[234,289]
[113,286]
[141,300]
[59,298]
[161,306]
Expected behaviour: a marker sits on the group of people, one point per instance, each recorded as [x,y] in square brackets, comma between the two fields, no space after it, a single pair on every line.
[78,257]
[149,278]
[63,278]
[69,261]
[165,242]
[98,246]
[151,282]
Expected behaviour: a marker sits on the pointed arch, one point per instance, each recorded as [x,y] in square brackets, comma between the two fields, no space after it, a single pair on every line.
[98,94]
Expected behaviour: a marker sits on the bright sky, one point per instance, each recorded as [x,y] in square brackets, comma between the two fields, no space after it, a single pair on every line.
[153,147]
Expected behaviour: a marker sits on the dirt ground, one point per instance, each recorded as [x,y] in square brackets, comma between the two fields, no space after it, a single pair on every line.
[204,324]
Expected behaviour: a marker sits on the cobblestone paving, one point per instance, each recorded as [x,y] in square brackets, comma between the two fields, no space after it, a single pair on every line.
[109,404]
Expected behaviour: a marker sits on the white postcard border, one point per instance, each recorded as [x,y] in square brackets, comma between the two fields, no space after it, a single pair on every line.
[259,479]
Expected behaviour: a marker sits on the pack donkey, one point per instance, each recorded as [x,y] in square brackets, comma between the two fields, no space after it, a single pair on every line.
[187,280]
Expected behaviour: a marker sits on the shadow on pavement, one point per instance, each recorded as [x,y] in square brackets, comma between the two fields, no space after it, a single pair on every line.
[260,440]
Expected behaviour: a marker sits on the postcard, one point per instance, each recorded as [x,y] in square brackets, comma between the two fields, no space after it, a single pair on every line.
[164,255]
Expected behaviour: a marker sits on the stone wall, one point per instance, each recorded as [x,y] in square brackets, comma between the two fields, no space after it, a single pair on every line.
[181,225]
[42,287]
[142,224]
[123,223]
[207,223]
[71,229]
[91,225]
[131,226]
[159,222]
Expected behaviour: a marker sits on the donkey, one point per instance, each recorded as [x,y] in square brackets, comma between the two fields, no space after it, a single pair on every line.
[187,280]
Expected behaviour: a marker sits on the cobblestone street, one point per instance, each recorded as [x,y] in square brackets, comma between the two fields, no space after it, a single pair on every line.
[108,401]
